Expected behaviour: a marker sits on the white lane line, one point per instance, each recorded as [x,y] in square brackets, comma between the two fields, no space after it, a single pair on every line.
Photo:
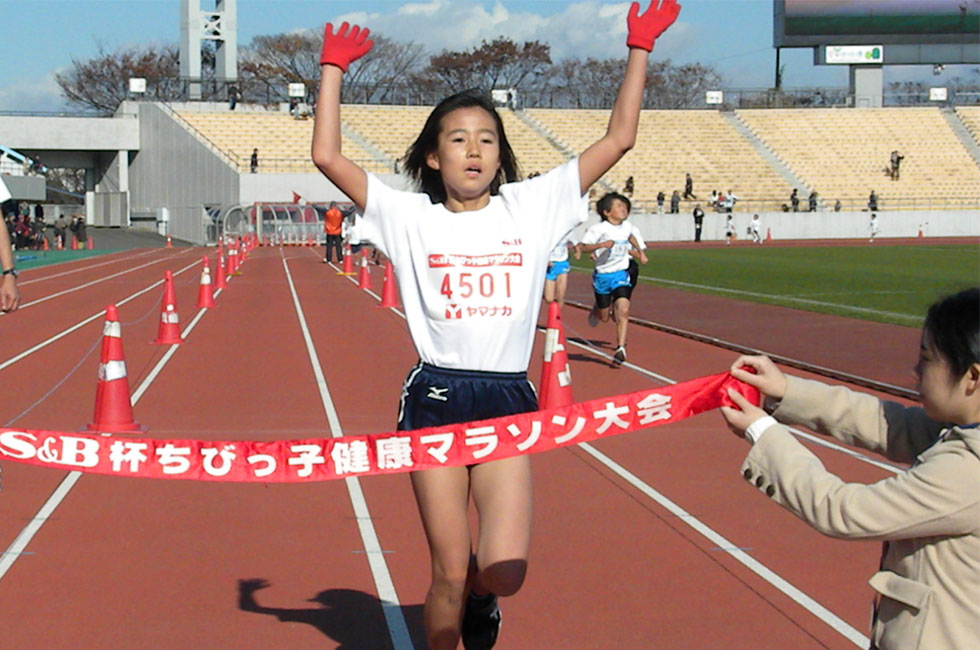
[723,544]
[9,362]
[86,267]
[397,628]
[87,284]
[16,549]
[802,301]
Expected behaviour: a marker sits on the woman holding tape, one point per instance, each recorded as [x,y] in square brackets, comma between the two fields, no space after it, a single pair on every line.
[928,517]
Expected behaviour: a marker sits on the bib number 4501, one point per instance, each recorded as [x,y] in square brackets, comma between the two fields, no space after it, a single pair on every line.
[466,285]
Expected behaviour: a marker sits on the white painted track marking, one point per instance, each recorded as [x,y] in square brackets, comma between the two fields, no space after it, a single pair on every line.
[86,267]
[397,628]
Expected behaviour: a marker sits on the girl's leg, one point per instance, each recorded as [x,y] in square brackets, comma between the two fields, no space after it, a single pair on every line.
[502,492]
[622,308]
[442,495]
[560,285]
[549,291]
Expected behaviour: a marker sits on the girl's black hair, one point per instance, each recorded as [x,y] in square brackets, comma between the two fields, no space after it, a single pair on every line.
[430,180]
[953,326]
[604,204]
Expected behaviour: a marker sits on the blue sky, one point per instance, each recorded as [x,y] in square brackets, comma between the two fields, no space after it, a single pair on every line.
[41,37]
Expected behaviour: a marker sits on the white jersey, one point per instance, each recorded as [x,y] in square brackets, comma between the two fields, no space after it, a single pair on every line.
[639,237]
[730,227]
[616,258]
[756,225]
[560,252]
[471,281]
[874,226]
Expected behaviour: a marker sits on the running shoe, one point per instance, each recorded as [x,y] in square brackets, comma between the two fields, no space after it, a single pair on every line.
[481,622]
[593,318]
[620,354]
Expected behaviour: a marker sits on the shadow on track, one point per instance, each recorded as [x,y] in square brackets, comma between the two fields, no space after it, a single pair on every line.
[353,619]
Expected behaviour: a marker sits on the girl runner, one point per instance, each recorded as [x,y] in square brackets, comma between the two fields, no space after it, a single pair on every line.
[470,252]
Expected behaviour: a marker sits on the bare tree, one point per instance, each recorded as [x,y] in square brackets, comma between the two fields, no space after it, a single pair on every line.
[101,83]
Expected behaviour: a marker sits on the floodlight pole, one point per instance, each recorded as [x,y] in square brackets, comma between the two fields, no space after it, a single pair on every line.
[219,25]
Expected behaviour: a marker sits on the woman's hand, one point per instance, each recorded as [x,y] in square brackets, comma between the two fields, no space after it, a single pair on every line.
[759,371]
[343,48]
[740,418]
[644,29]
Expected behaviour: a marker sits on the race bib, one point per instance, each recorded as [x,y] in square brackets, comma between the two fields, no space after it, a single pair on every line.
[490,286]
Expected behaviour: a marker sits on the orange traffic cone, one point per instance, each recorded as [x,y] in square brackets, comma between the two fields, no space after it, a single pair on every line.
[348,267]
[220,282]
[205,297]
[74,243]
[364,276]
[389,298]
[91,242]
[113,405]
[768,234]
[921,234]
[556,375]
[169,243]
[44,245]
[59,243]
[169,331]
[309,239]
[232,262]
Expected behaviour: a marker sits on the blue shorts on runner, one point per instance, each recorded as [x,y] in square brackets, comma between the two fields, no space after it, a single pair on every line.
[557,268]
[433,396]
[603,283]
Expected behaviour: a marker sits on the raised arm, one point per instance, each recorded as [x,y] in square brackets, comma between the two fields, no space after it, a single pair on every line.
[339,50]
[621,134]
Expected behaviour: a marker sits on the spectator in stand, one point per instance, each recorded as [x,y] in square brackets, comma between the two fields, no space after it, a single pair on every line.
[689,187]
[698,221]
[728,205]
[660,202]
[873,201]
[896,160]
[233,96]
[713,200]
[812,201]
[628,187]
[675,203]
[254,161]
[837,205]
[794,200]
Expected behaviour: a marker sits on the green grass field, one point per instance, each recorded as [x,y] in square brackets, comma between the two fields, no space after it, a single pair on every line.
[889,284]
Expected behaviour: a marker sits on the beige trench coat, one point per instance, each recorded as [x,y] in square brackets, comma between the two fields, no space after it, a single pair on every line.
[928,516]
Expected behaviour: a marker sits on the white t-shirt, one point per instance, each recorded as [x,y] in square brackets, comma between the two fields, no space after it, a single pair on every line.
[730,227]
[639,238]
[756,224]
[471,282]
[617,258]
[560,252]
[874,226]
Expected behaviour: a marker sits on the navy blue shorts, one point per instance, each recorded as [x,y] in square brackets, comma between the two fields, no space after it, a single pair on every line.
[433,396]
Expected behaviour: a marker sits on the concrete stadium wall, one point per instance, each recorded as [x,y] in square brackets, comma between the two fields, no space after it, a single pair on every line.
[809,225]
[174,170]
[33,133]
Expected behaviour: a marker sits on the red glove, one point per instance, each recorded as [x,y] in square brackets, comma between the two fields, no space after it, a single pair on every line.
[343,48]
[644,30]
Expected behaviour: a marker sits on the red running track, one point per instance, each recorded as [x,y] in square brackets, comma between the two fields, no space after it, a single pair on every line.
[123,563]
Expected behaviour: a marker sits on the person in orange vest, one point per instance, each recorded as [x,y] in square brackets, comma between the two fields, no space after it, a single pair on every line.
[333,225]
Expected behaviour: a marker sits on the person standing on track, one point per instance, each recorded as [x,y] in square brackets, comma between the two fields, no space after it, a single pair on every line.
[9,294]
[873,227]
[613,242]
[470,253]
[729,230]
[928,516]
[755,229]
[333,227]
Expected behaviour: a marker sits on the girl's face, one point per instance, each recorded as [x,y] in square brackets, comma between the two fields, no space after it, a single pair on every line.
[467,157]
[938,389]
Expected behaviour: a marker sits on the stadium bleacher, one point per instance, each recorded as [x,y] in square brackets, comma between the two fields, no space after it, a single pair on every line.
[842,154]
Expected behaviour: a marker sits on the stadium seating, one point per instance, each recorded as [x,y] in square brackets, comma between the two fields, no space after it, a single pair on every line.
[971,118]
[670,144]
[844,154]
[283,141]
